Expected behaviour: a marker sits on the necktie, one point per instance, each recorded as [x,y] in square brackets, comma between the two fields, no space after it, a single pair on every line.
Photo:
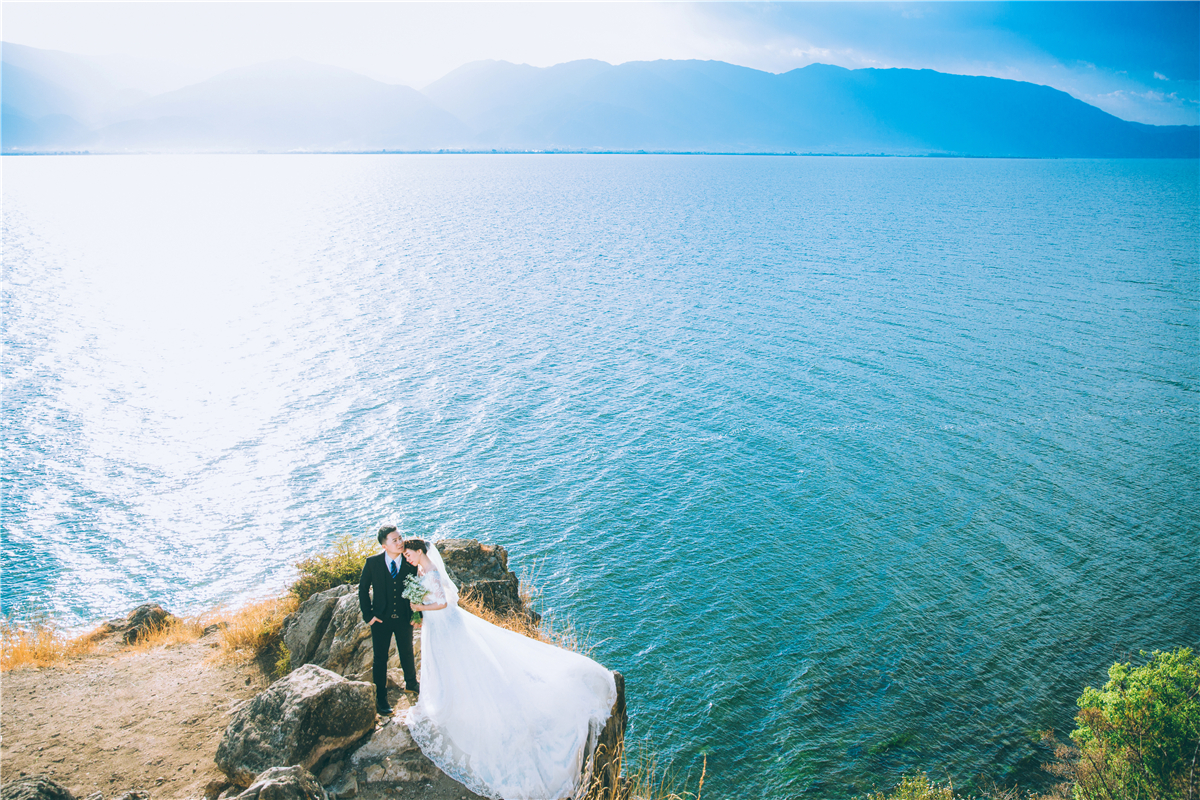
[394,570]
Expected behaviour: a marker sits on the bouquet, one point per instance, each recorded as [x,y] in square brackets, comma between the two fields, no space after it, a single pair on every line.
[414,592]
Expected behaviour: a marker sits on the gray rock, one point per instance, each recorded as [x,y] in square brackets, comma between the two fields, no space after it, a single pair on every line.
[39,787]
[140,621]
[296,720]
[330,773]
[610,748]
[390,765]
[144,619]
[213,789]
[135,794]
[481,572]
[346,787]
[284,783]
[302,630]
[345,647]
[391,756]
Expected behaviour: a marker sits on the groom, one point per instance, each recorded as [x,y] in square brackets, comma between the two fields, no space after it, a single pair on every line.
[380,597]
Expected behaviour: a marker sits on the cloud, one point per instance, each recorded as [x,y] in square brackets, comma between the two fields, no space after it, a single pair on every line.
[1161,77]
[1150,106]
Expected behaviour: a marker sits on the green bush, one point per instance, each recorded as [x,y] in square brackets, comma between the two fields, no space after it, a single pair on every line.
[916,787]
[1139,736]
[342,564]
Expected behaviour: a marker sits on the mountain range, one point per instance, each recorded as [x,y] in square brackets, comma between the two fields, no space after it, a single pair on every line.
[55,101]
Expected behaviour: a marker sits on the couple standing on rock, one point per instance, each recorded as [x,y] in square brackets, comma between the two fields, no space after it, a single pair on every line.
[507,716]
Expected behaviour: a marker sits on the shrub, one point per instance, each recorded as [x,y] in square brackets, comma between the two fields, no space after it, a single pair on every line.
[916,787]
[1139,736]
[342,564]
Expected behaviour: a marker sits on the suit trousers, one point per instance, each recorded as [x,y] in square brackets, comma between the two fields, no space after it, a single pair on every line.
[381,642]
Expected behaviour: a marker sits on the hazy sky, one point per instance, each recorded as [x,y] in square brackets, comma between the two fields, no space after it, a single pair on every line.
[1138,60]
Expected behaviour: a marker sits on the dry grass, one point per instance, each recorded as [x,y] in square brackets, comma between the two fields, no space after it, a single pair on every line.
[253,629]
[650,782]
[513,621]
[561,633]
[40,644]
[646,780]
[528,583]
[174,631]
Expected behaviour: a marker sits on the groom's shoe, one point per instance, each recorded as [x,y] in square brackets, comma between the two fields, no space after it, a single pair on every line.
[415,688]
[384,710]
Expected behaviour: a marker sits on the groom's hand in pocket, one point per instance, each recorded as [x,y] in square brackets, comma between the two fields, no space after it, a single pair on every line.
[373,621]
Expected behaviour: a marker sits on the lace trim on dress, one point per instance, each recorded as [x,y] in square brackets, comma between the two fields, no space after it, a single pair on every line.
[432,580]
[435,747]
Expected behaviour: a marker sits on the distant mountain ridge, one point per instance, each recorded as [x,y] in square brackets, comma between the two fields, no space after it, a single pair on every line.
[52,102]
[714,106]
[285,105]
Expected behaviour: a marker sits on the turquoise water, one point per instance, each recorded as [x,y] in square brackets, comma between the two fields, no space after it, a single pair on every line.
[822,453]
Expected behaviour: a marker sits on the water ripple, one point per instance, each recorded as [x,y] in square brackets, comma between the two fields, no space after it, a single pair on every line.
[825,453]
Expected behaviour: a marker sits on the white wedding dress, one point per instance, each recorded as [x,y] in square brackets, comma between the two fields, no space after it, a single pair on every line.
[509,717]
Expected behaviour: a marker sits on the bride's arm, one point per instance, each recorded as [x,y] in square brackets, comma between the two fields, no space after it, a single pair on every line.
[437,607]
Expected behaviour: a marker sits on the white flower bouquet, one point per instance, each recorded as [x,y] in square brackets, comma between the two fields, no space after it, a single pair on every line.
[414,592]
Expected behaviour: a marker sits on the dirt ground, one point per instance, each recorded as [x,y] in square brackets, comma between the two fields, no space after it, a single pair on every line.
[118,720]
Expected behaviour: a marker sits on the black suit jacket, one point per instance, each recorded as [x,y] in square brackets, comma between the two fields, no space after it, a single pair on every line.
[379,595]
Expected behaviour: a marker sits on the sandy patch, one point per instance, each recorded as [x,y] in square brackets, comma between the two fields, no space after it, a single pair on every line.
[118,720]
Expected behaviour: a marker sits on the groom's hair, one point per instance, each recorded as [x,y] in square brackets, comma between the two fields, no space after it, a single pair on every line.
[384,532]
[416,544]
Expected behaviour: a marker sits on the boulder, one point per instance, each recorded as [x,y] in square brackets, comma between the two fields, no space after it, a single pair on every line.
[345,646]
[284,783]
[213,789]
[146,618]
[303,629]
[481,570]
[328,630]
[39,787]
[139,622]
[298,719]
[390,756]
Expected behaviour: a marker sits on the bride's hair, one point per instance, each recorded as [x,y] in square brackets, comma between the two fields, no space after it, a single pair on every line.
[416,544]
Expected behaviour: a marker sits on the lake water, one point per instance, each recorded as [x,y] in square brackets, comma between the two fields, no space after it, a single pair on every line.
[851,466]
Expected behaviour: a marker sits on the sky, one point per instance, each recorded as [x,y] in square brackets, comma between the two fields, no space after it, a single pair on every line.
[1137,60]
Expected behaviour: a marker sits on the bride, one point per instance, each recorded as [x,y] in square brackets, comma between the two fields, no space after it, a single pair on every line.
[509,717]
